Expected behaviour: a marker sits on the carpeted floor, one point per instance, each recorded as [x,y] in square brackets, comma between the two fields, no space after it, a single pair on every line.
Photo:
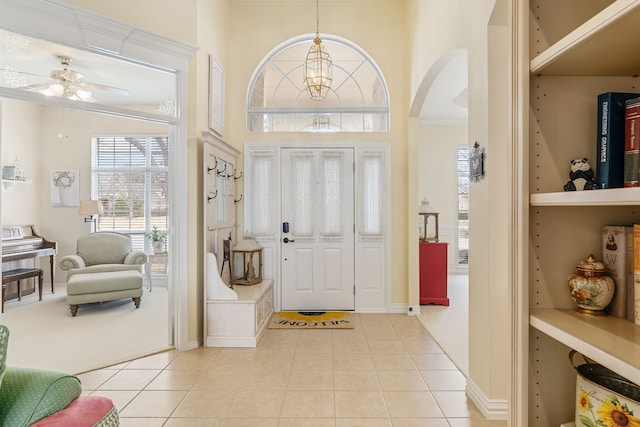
[44,335]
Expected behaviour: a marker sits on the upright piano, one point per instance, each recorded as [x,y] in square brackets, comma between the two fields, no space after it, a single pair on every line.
[22,242]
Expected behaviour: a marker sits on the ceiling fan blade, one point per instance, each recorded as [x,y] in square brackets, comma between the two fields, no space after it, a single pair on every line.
[34,86]
[97,86]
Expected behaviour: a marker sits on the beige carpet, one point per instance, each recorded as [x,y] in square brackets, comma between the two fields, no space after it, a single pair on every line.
[311,320]
[44,335]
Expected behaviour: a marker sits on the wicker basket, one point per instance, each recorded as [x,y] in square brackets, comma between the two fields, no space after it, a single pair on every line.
[604,397]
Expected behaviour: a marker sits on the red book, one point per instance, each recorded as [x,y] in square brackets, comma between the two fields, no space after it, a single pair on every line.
[632,142]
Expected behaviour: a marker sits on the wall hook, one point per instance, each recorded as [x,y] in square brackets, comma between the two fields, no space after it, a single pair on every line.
[221,172]
[235,178]
[210,197]
[229,175]
[237,201]
[209,169]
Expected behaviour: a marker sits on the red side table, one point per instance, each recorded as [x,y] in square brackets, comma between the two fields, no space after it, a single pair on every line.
[433,273]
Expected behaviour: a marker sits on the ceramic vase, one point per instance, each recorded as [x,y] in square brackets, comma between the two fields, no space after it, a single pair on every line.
[590,287]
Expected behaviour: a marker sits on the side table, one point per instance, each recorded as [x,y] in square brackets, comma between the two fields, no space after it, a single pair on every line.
[156,258]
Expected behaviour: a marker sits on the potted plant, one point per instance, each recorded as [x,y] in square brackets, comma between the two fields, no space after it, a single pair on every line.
[157,238]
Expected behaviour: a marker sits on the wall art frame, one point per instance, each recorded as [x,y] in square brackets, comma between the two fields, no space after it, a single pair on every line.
[216,96]
[64,188]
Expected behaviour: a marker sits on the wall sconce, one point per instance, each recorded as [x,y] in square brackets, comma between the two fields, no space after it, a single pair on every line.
[246,262]
[91,208]
[428,222]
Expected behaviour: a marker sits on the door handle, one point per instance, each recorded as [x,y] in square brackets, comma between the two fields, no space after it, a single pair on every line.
[287,240]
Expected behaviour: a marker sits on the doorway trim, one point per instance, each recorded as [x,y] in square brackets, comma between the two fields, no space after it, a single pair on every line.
[372,284]
[66,25]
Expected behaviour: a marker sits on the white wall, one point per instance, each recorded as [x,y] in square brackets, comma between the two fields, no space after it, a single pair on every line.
[51,138]
[438,178]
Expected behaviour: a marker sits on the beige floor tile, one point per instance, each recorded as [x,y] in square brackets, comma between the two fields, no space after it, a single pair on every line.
[204,404]
[306,361]
[444,380]
[250,422]
[412,404]
[387,346]
[193,422]
[353,361]
[153,404]
[154,361]
[471,422]
[401,380]
[358,345]
[420,422]
[355,380]
[307,422]
[221,379]
[360,404]
[311,380]
[266,361]
[255,403]
[427,345]
[263,379]
[455,404]
[312,404]
[142,422]
[120,399]
[393,362]
[433,362]
[94,379]
[192,359]
[381,333]
[363,422]
[134,379]
[175,379]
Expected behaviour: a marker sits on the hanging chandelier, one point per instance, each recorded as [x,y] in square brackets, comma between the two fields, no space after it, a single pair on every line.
[318,67]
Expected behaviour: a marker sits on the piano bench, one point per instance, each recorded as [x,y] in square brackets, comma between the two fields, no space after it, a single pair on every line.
[20,274]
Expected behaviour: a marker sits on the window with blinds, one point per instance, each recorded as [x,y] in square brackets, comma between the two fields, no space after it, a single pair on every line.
[129,175]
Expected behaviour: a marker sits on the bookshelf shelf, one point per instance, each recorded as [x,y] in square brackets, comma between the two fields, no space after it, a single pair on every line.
[610,36]
[610,341]
[576,50]
[609,197]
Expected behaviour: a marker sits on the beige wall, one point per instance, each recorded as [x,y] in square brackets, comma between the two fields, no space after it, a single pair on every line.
[436,28]
[258,27]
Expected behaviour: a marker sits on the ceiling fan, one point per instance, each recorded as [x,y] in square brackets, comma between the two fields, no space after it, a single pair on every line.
[70,84]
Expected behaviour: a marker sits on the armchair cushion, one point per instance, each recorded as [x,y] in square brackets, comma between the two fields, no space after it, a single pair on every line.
[28,395]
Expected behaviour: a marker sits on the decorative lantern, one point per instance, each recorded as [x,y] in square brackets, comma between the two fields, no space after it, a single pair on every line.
[246,262]
[428,222]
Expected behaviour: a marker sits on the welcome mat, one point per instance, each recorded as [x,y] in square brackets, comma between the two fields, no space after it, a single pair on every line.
[311,320]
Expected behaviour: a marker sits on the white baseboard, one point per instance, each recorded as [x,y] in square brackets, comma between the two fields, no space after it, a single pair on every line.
[400,308]
[492,409]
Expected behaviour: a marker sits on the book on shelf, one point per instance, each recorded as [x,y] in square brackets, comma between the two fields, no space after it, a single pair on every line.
[615,256]
[636,273]
[631,142]
[611,139]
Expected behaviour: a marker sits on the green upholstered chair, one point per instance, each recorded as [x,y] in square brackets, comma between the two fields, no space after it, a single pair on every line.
[46,398]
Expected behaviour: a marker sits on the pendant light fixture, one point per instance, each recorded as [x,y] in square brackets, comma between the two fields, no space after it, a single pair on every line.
[318,67]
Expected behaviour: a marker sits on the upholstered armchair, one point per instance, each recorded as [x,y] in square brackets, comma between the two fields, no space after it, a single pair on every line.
[39,398]
[103,251]
[104,268]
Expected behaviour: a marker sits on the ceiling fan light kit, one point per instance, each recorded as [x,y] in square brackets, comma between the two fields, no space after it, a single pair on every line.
[68,83]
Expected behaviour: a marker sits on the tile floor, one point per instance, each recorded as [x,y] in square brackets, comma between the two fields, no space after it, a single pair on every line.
[388,371]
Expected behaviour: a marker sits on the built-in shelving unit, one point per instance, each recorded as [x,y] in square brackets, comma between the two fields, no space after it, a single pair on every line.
[11,184]
[577,49]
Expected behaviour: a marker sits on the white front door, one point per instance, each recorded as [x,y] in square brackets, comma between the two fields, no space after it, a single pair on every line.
[317,234]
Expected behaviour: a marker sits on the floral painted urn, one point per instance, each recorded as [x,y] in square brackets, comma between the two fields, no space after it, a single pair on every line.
[590,287]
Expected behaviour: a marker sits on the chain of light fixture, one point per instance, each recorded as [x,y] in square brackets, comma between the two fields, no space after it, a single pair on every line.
[318,67]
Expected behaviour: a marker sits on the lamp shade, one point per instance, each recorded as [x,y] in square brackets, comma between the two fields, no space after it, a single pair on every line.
[90,207]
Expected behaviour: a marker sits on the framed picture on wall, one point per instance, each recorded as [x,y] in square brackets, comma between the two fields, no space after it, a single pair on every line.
[216,96]
[64,188]
[476,163]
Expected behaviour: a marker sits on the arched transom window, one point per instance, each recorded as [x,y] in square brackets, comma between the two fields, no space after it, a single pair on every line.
[358,100]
